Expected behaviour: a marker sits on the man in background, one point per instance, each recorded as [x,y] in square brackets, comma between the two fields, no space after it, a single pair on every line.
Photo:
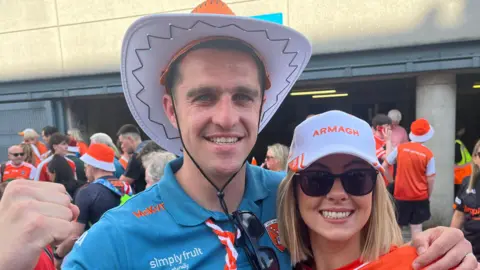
[131,142]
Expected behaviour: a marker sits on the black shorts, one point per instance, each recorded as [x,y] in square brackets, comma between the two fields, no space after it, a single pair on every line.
[412,212]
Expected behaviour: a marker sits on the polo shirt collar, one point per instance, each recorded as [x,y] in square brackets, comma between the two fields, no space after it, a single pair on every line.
[185,211]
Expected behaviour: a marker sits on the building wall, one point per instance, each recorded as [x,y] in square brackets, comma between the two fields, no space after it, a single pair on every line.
[52,38]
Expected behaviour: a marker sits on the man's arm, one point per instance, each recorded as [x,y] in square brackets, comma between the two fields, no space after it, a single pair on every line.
[133,171]
[127,179]
[431,182]
[390,160]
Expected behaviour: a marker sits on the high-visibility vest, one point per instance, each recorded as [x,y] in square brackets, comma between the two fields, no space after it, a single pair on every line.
[463,168]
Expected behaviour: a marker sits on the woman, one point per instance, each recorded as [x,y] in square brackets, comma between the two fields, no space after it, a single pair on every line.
[29,157]
[467,207]
[60,172]
[334,210]
[103,138]
[75,133]
[154,164]
[276,159]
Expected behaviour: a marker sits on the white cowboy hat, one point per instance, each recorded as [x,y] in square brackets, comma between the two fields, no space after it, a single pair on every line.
[152,41]
[421,131]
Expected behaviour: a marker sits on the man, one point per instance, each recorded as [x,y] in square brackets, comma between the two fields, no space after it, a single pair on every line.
[16,168]
[47,132]
[131,142]
[463,159]
[216,95]
[382,129]
[415,178]
[30,136]
[72,154]
[103,193]
[399,134]
[58,146]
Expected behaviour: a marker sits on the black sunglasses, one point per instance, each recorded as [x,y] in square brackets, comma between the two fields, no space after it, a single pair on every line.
[356,182]
[261,258]
[17,154]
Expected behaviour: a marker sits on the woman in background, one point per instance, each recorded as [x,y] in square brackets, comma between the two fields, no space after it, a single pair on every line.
[154,164]
[467,206]
[29,157]
[60,172]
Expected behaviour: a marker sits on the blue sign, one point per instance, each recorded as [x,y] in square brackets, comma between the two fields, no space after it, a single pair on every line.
[273,17]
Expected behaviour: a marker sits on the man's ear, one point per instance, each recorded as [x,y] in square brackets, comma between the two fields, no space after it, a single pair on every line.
[168,108]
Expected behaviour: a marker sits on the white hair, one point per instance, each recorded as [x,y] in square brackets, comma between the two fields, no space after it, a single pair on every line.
[103,138]
[76,134]
[395,115]
[155,162]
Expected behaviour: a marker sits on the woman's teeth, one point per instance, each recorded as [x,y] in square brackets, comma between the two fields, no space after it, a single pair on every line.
[336,215]
[224,140]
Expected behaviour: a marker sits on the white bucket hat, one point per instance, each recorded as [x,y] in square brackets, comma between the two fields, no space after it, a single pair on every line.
[151,43]
[421,131]
[332,132]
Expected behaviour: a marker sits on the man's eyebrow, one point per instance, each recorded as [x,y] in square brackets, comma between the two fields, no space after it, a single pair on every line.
[247,91]
[199,91]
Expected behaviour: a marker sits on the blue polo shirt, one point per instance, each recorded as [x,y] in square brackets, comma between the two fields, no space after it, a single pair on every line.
[163,228]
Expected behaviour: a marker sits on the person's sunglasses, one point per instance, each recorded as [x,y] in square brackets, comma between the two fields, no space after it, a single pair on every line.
[17,154]
[356,182]
[261,258]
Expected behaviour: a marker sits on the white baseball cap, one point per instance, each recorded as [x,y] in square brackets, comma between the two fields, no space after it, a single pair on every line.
[332,132]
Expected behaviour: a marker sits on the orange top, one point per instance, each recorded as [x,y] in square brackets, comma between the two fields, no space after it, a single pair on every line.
[415,164]
[397,259]
[83,147]
[23,171]
[124,162]
[41,147]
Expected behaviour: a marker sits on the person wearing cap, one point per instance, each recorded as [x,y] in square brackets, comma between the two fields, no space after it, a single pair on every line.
[58,144]
[334,196]
[73,152]
[415,176]
[30,136]
[219,78]
[103,193]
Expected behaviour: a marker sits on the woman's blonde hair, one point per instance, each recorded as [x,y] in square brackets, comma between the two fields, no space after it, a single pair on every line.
[103,138]
[378,235]
[76,134]
[280,152]
[472,182]
[28,151]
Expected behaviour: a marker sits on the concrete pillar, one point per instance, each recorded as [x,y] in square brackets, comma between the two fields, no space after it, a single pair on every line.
[436,102]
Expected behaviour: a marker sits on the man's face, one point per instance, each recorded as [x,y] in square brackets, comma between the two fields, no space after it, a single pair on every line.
[218,99]
[127,144]
[45,138]
[30,140]
[15,154]
[61,149]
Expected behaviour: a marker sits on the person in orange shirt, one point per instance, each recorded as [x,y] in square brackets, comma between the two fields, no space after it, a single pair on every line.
[16,168]
[415,176]
[75,134]
[30,136]
[334,211]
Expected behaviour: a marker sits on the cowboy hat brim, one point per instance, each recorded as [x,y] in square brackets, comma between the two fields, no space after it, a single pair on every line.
[422,138]
[151,42]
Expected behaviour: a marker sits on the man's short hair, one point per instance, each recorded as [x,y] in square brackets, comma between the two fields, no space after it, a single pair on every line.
[380,120]
[56,139]
[49,130]
[173,76]
[128,129]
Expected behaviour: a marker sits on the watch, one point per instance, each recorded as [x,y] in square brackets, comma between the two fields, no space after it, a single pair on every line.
[56,256]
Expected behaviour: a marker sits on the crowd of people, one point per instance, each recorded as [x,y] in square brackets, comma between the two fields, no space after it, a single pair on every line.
[189,200]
